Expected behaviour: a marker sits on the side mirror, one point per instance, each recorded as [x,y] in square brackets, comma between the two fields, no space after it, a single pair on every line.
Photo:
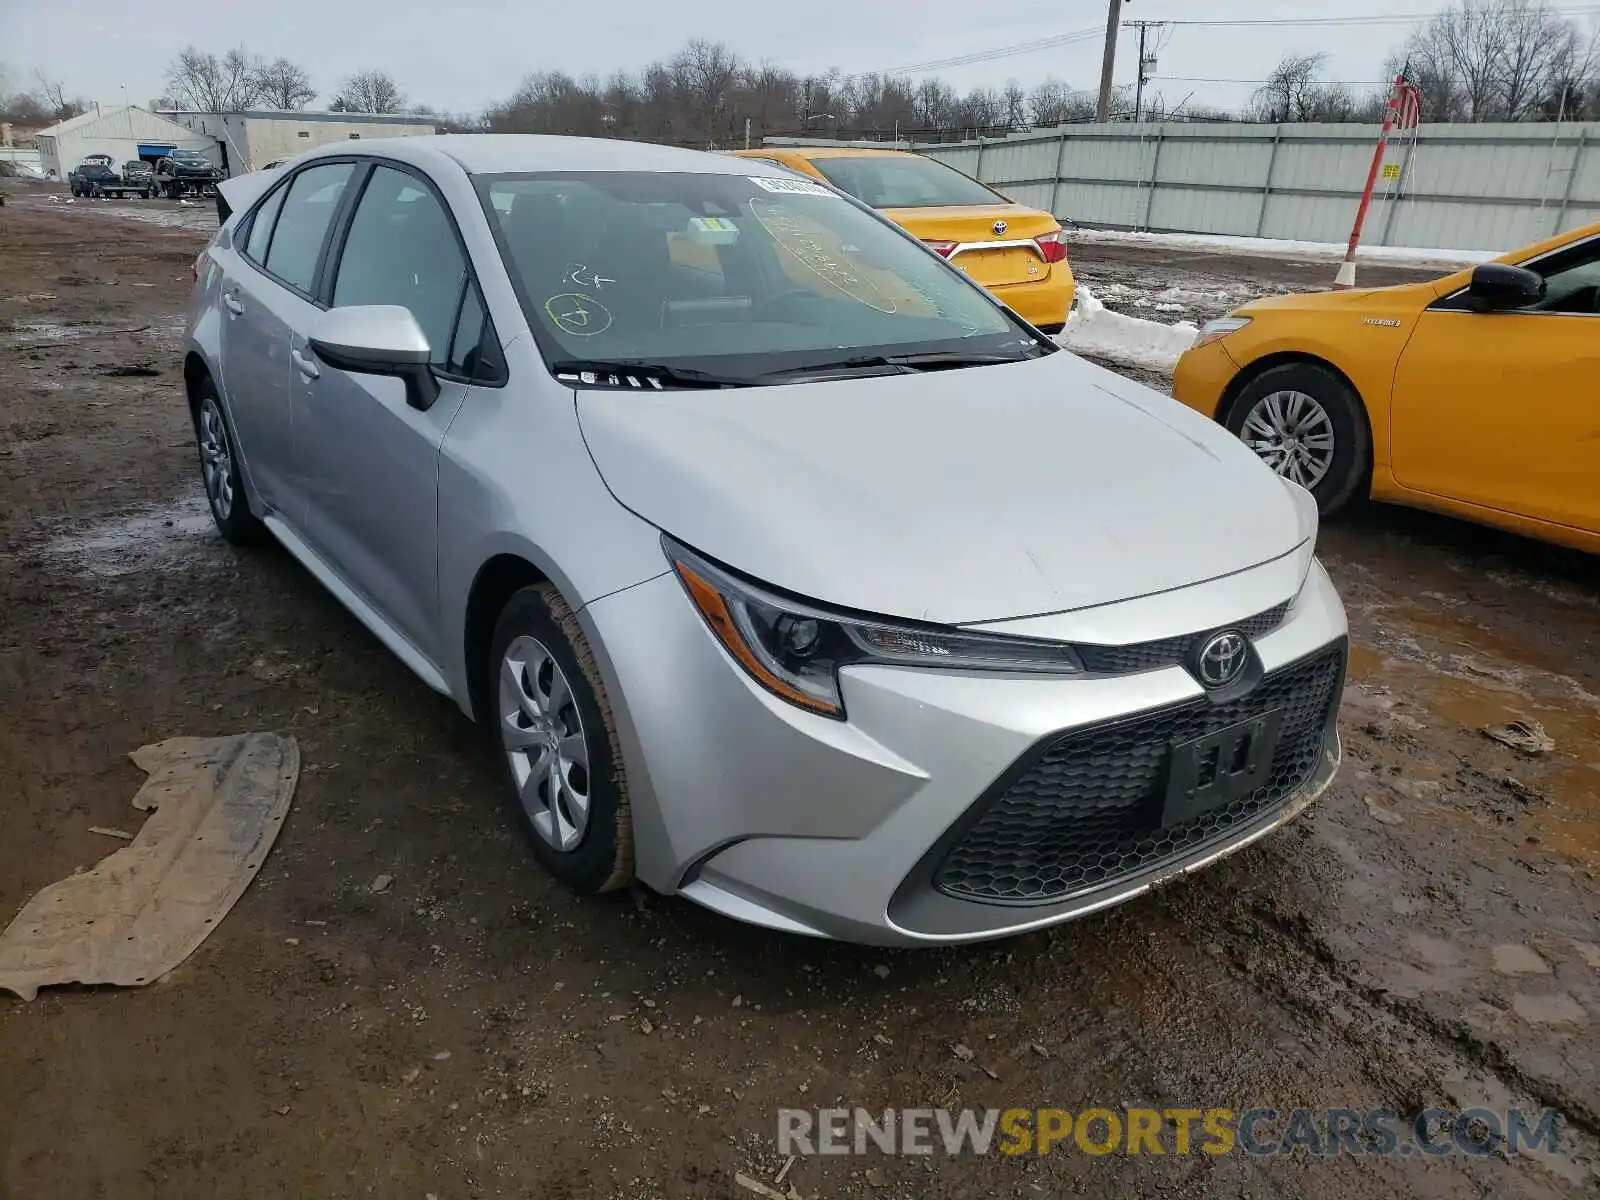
[378,339]
[1499,287]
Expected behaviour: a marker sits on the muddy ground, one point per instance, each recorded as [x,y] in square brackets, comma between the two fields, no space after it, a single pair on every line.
[1429,934]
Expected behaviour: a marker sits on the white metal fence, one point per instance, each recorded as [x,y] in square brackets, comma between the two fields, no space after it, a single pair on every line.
[1458,187]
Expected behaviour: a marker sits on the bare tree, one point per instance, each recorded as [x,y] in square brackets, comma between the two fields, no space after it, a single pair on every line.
[369,92]
[52,97]
[202,82]
[284,85]
[1054,102]
[1497,60]
[1292,89]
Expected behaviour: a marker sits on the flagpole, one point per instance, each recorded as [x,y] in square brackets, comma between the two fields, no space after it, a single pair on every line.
[1347,269]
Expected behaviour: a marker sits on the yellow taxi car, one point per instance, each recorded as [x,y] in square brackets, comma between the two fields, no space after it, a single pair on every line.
[1476,395]
[1016,252]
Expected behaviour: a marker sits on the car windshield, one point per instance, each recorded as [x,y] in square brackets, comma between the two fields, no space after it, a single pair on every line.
[903,181]
[742,276]
[187,154]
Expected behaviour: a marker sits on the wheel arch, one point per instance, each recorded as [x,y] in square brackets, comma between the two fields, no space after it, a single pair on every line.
[1285,358]
[497,580]
[196,372]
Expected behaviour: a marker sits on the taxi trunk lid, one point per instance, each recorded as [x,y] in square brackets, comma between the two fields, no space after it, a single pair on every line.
[994,259]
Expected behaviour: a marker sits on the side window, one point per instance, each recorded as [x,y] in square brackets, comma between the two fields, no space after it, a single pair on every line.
[302,224]
[255,247]
[402,249]
[1572,281]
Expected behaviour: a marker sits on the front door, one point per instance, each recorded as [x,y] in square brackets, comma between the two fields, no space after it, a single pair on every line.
[371,460]
[1502,410]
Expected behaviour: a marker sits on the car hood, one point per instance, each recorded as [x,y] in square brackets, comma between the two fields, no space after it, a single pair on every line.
[956,497]
[1354,299]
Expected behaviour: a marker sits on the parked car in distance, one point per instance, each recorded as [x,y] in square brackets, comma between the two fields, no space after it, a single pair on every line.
[1474,395]
[792,575]
[96,177]
[93,177]
[1015,251]
[185,172]
[138,173]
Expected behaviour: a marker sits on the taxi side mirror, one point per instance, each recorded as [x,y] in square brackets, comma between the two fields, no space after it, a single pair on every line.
[1500,287]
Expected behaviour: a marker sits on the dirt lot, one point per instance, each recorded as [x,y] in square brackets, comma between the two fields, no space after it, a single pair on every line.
[1428,935]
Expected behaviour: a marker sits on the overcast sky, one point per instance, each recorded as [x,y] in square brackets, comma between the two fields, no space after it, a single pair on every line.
[461,56]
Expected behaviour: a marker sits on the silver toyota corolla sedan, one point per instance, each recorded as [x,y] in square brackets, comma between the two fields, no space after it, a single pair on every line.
[787,571]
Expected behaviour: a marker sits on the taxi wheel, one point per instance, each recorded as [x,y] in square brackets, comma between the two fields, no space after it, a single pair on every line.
[1305,423]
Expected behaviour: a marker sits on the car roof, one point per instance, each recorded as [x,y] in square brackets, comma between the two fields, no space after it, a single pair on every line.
[840,152]
[497,153]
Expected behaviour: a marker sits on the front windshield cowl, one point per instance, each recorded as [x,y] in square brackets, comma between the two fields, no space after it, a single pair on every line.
[721,280]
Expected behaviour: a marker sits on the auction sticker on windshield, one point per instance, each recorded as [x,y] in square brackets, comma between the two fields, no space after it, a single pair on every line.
[793,187]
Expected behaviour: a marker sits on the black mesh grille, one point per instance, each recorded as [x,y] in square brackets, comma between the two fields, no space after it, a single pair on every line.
[1086,811]
[1167,652]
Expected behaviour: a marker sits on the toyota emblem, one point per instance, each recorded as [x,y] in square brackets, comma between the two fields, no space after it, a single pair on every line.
[999,228]
[1222,659]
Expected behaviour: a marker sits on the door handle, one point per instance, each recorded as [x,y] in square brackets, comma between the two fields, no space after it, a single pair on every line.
[306,367]
[232,303]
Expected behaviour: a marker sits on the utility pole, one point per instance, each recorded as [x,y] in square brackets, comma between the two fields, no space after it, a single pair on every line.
[1147,65]
[1108,66]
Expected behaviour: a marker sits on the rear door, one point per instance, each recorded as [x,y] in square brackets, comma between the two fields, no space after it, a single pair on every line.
[1502,410]
[266,296]
[372,461]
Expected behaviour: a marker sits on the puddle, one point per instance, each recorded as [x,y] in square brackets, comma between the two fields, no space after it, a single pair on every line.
[43,331]
[138,541]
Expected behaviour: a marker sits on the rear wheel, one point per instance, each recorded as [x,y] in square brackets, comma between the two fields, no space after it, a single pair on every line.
[1305,423]
[219,471]
[553,727]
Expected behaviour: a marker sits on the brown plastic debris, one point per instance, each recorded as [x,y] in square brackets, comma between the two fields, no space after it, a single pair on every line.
[218,804]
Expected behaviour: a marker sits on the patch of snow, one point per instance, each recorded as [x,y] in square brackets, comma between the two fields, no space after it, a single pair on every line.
[1395,256]
[1094,329]
[137,541]
[47,331]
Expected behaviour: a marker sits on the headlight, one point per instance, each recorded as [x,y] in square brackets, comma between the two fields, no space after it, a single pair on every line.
[795,649]
[1220,328]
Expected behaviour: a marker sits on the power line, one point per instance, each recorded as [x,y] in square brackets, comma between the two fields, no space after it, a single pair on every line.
[1384,19]
[1258,82]
[980,56]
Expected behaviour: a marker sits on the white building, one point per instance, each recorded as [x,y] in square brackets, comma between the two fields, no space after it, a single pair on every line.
[248,141]
[125,132]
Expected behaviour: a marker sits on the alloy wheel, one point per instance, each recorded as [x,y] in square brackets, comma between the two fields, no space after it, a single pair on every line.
[216,460]
[1292,433]
[543,736]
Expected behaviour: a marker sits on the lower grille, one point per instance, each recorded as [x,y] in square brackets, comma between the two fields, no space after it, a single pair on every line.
[1084,811]
[1167,652]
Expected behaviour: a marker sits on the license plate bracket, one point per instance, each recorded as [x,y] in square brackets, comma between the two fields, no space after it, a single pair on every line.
[1208,772]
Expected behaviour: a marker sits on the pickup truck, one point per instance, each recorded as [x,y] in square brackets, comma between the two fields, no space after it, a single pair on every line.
[95,176]
[186,172]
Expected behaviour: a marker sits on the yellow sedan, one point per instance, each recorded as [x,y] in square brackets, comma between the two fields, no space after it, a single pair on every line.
[1476,395]
[1016,252]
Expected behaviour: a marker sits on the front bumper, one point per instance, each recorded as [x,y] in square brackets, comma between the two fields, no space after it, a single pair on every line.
[837,828]
[1202,377]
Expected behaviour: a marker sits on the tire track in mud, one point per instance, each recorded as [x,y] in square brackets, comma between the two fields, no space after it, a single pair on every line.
[1408,1051]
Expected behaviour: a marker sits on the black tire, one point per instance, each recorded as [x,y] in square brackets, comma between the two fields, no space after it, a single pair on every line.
[1349,474]
[234,520]
[602,860]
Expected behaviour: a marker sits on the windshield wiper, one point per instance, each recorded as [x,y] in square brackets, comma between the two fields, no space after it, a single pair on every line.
[640,374]
[935,360]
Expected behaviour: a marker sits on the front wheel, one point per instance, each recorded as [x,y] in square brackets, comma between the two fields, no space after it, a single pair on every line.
[557,740]
[1305,423]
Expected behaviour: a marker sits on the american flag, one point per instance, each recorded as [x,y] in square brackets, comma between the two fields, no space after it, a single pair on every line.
[1407,104]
